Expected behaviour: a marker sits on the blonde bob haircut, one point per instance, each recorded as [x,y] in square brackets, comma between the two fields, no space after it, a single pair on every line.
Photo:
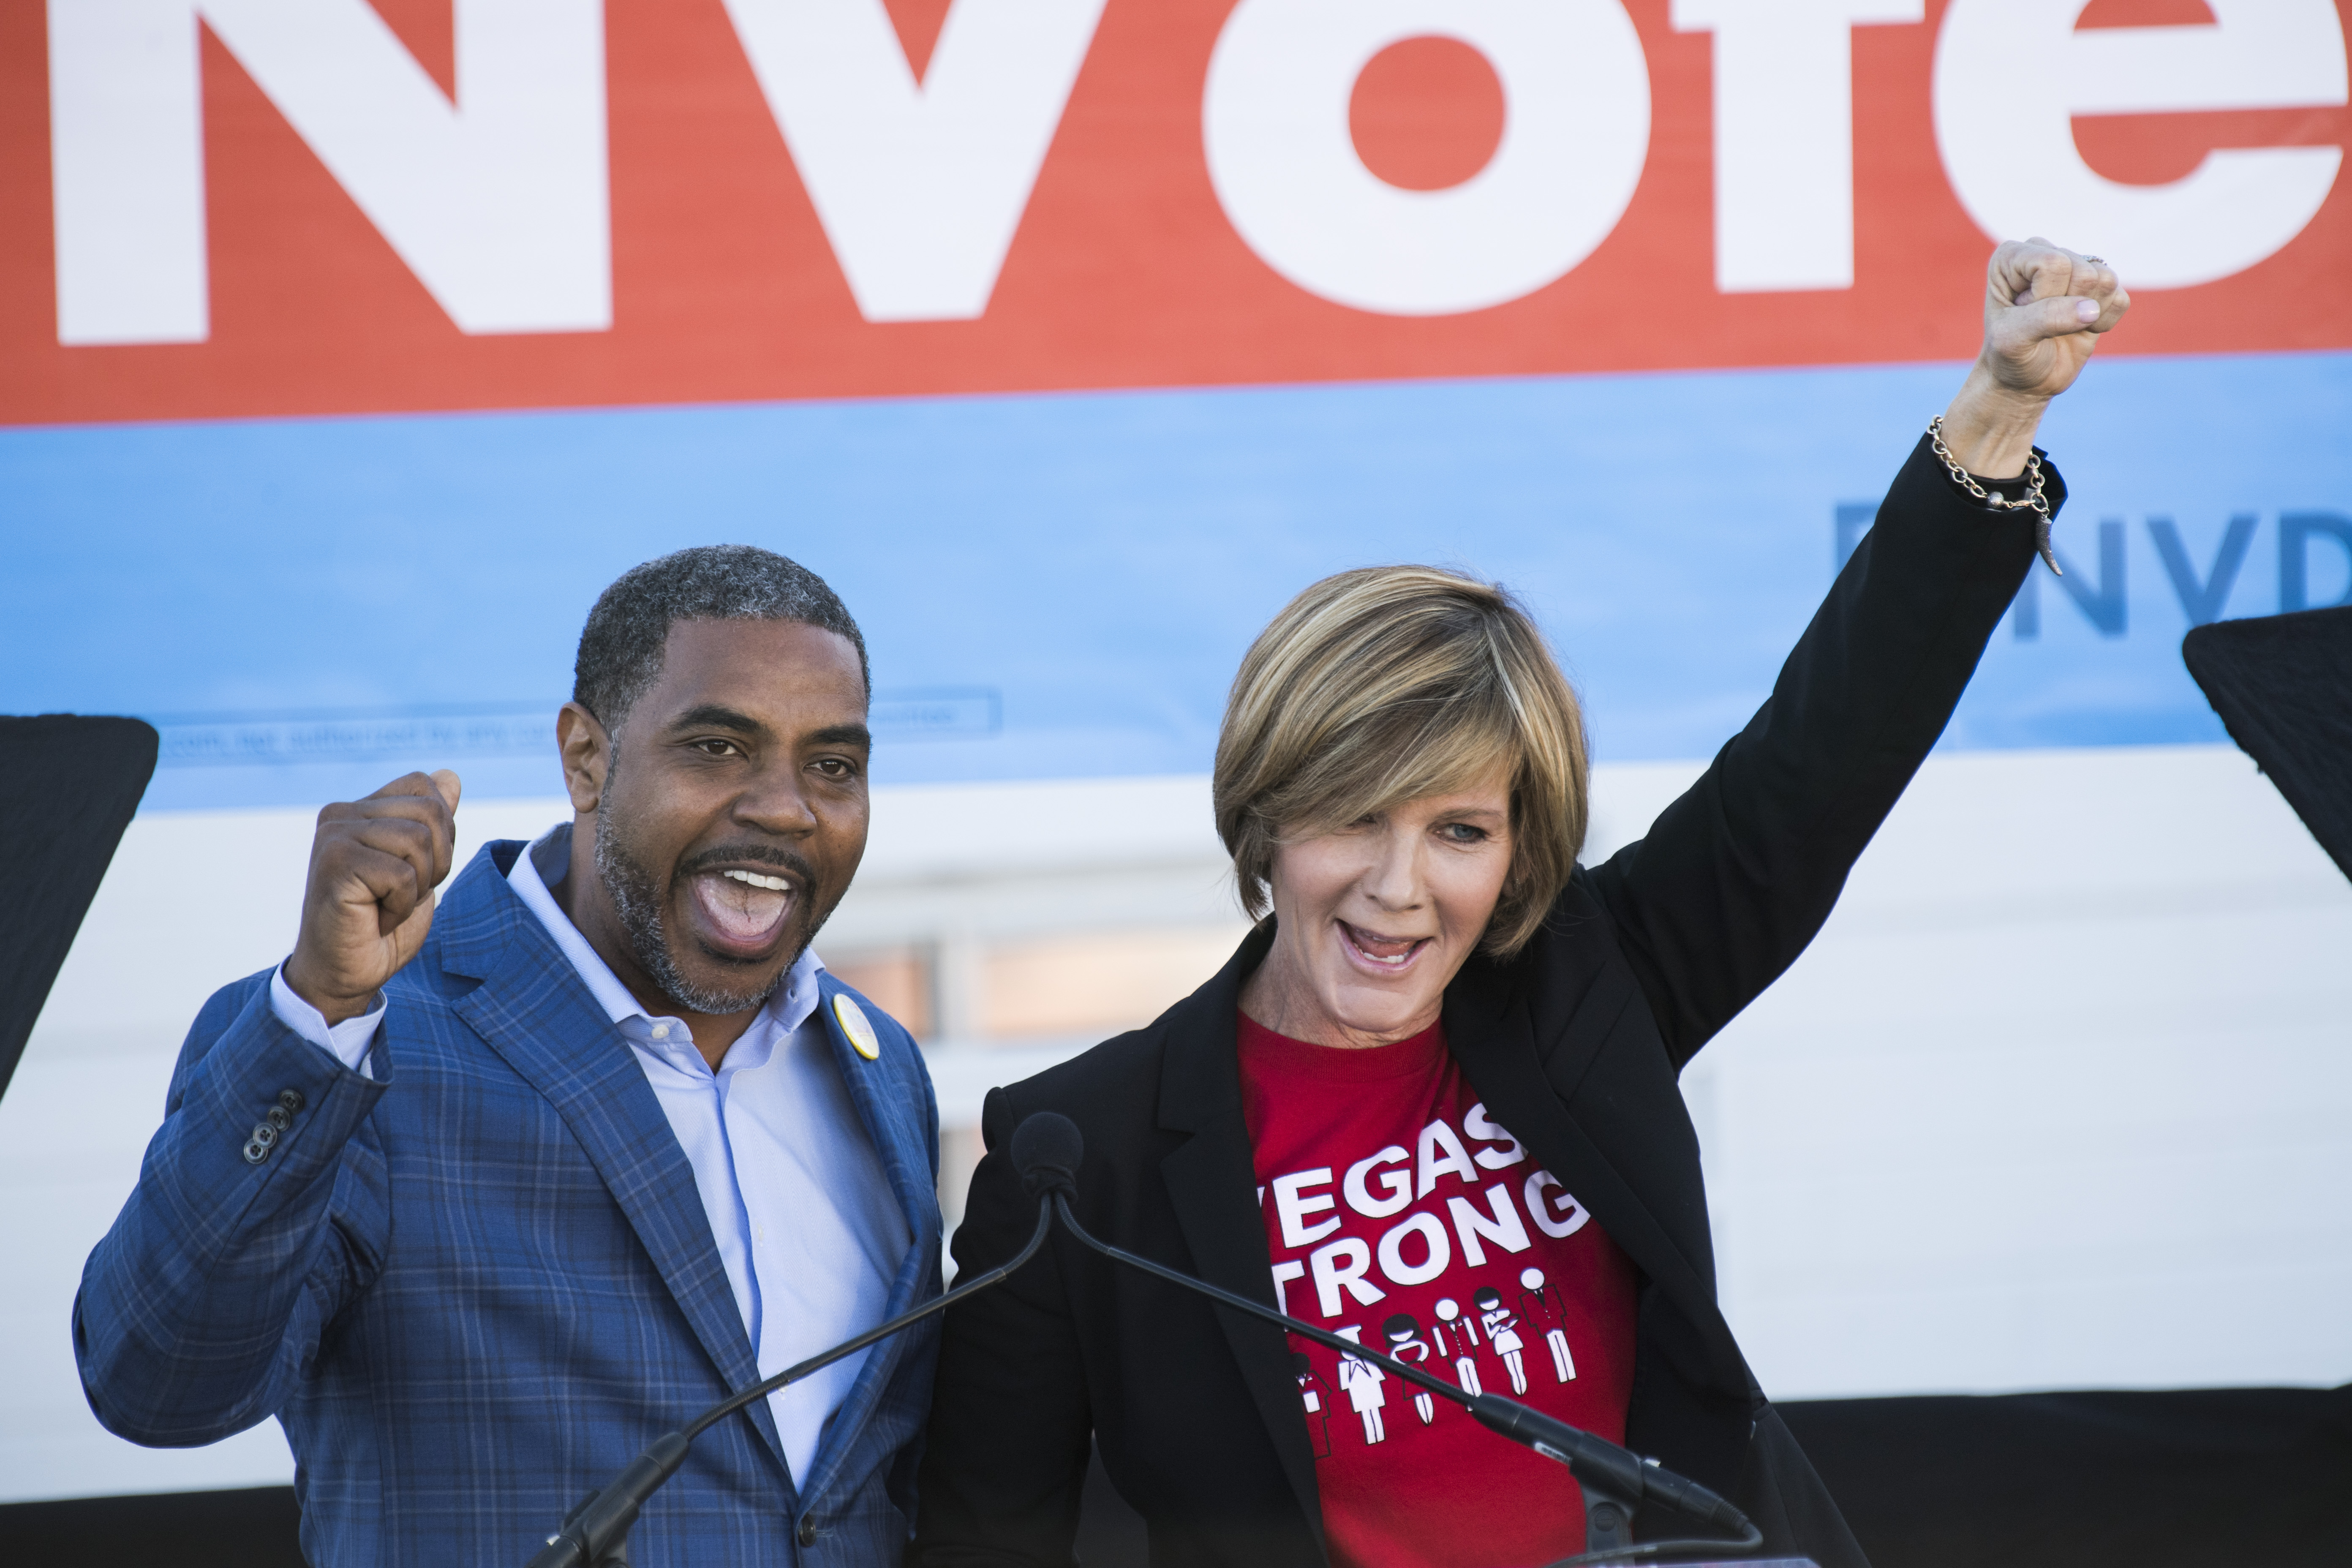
[1381,686]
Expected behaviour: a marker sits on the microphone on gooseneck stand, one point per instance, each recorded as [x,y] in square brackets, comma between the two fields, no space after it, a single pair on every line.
[1614,1479]
[1047,1148]
[596,1533]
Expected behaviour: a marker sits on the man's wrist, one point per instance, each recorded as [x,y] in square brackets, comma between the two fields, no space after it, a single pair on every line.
[335,1009]
[350,1041]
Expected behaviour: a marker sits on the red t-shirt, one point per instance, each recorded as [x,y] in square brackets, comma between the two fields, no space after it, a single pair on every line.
[1397,1210]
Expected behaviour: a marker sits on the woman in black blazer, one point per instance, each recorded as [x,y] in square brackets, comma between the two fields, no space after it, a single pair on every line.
[1415,833]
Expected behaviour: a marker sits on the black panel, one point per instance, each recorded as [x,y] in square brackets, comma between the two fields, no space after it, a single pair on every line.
[250,1528]
[2261,1476]
[2282,686]
[69,786]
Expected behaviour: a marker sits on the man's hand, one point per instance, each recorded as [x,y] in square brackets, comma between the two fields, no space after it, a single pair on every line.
[2044,311]
[373,866]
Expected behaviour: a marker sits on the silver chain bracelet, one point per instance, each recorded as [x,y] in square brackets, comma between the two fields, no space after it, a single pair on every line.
[2035,500]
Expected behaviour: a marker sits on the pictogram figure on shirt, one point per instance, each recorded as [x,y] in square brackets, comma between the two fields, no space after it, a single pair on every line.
[1465,1340]
[1316,1397]
[1405,1343]
[1503,1334]
[1362,1380]
[1543,1303]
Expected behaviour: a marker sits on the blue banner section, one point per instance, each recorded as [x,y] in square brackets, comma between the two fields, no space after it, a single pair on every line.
[1061,585]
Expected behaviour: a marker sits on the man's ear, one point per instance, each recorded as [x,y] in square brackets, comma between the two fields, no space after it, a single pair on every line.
[587,753]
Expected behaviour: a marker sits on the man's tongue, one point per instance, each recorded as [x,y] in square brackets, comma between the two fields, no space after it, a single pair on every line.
[739,914]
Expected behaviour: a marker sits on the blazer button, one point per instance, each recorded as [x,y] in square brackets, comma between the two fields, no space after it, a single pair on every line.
[808,1532]
[291,1100]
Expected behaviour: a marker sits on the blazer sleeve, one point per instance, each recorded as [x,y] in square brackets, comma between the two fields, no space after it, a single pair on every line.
[200,1309]
[1737,875]
[1004,1461]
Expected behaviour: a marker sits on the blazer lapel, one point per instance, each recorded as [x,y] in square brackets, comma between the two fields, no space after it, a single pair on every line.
[1211,1181]
[1488,1030]
[538,1015]
[896,1127]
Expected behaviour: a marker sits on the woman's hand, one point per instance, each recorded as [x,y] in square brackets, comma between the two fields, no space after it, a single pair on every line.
[2044,310]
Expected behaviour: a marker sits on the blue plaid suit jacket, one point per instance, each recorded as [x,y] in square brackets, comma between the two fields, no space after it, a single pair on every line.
[473,1288]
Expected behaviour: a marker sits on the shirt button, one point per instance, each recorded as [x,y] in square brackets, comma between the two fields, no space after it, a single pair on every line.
[661,1031]
[808,1532]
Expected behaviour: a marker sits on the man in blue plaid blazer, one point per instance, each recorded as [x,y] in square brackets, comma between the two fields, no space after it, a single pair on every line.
[476,1202]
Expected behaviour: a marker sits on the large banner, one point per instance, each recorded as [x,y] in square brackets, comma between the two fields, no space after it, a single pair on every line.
[350,346]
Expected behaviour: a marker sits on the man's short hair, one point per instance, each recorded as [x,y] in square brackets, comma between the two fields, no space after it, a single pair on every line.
[621,646]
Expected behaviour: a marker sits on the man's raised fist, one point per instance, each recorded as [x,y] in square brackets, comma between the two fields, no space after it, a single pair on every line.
[373,866]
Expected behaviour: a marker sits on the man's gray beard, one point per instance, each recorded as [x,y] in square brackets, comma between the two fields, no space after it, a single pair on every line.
[639,899]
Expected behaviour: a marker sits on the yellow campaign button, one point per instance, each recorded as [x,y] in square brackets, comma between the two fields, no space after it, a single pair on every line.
[854,1023]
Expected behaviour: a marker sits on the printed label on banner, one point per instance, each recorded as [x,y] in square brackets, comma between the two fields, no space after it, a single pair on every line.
[213,208]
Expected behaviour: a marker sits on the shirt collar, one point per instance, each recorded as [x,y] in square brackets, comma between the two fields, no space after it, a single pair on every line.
[790,1007]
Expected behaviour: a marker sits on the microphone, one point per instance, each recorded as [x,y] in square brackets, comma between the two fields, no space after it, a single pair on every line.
[595,1534]
[1614,1479]
[1628,1475]
[1047,1148]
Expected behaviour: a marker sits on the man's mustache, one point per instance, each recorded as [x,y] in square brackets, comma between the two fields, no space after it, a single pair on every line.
[783,859]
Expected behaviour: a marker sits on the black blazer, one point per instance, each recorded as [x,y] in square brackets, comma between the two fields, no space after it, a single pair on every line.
[1575,1044]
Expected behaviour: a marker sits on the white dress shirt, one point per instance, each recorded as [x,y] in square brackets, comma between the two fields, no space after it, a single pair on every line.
[802,1210]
